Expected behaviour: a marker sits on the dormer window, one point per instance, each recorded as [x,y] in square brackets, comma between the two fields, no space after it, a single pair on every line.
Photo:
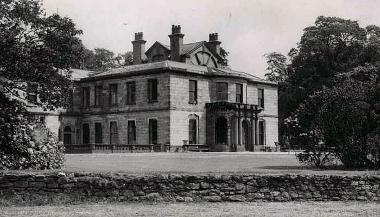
[204,59]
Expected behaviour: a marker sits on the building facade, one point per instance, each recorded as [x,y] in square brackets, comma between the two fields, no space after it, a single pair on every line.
[174,95]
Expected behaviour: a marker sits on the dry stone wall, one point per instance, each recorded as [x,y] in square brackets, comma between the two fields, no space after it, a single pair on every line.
[64,188]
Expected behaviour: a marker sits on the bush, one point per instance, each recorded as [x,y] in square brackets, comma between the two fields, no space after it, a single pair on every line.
[24,144]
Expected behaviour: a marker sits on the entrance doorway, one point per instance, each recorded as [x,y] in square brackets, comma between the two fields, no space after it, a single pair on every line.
[221,130]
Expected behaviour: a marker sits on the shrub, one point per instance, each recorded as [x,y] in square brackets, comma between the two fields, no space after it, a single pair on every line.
[24,144]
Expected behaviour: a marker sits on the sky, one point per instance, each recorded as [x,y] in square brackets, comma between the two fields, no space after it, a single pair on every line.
[248,29]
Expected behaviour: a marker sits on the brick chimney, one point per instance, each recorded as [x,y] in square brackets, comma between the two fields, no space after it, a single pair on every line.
[138,48]
[214,43]
[176,43]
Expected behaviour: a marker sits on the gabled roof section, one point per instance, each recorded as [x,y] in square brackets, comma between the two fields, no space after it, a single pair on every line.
[157,43]
[189,48]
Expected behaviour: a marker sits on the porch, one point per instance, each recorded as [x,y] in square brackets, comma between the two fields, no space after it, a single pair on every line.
[232,127]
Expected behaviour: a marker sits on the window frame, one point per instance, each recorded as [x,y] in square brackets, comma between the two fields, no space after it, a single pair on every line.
[153,133]
[98,95]
[129,140]
[86,134]
[86,96]
[98,138]
[260,97]
[113,91]
[152,95]
[222,93]
[193,94]
[193,132]
[131,93]
[262,132]
[239,97]
[113,135]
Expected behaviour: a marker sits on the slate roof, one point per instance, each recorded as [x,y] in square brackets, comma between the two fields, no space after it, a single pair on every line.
[174,66]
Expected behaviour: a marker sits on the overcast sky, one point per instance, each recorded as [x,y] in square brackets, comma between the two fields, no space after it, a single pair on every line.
[248,29]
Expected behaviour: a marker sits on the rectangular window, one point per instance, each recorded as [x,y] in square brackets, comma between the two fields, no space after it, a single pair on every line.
[113,94]
[85,96]
[260,97]
[152,131]
[239,93]
[98,95]
[31,92]
[131,93]
[261,133]
[222,91]
[98,133]
[131,132]
[193,92]
[152,90]
[192,131]
[86,133]
[113,133]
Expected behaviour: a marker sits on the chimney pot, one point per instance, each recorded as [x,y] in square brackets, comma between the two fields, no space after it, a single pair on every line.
[176,43]
[176,29]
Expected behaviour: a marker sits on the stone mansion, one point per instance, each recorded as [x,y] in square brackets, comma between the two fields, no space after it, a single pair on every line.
[174,95]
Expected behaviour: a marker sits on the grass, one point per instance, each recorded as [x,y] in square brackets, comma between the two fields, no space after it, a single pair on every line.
[193,163]
[308,209]
[148,163]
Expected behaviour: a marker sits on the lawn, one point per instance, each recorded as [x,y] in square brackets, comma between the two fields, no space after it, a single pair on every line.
[308,209]
[148,163]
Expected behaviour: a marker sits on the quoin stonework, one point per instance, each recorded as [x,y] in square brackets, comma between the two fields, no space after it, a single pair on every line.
[174,97]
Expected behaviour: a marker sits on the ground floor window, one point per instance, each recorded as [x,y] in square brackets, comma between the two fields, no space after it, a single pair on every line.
[86,133]
[98,133]
[67,136]
[193,131]
[131,132]
[261,132]
[221,130]
[152,131]
[113,132]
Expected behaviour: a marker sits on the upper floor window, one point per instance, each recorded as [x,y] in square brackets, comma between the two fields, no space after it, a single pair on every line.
[98,95]
[152,90]
[85,96]
[131,93]
[193,92]
[222,91]
[239,93]
[260,97]
[113,94]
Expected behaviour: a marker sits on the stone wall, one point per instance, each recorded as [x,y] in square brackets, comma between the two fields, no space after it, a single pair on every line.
[64,188]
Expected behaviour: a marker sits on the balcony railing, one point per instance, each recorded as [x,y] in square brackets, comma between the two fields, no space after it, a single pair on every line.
[115,148]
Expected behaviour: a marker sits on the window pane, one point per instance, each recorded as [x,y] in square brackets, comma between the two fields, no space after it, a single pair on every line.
[261,133]
[98,95]
[222,91]
[131,93]
[113,94]
[98,133]
[152,90]
[193,95]
[113,133]
[239,93]
[261,97]
[86,96]
[86,133]
[131,132]
[192,131]
[152,131]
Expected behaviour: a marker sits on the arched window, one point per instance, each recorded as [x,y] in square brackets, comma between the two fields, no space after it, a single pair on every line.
[67,136]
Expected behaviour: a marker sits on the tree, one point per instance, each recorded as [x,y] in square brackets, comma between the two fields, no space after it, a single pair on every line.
[322,101]
[35,50]
[277,67]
